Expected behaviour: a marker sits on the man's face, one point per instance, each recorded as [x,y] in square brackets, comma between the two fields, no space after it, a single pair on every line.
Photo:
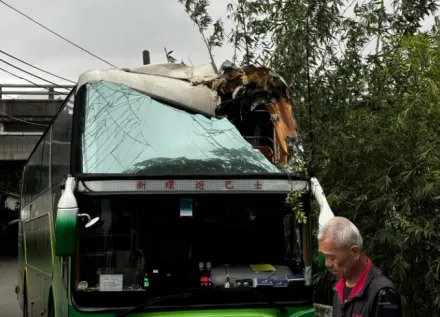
[340,261]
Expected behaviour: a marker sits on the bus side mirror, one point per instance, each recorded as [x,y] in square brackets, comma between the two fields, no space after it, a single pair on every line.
[65,232]
[325,212]
[66,221]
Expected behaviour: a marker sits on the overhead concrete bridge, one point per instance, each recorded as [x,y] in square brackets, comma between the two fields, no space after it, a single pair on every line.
[25,112]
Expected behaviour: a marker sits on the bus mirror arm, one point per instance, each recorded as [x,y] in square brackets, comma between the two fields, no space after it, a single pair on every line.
[325,212]
[90,222]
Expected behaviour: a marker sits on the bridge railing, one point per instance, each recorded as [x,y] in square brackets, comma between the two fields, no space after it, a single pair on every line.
[50,91]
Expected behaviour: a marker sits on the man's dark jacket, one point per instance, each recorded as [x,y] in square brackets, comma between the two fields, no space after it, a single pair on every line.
[373,295]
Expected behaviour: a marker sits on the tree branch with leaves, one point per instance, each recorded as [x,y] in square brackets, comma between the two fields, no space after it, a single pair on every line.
[198,12]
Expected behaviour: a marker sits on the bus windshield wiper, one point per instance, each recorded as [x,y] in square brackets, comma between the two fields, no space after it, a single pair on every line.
[268,300]
[153,301]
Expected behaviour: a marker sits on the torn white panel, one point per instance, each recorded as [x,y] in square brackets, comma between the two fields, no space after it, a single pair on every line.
[199,98]
[193,74]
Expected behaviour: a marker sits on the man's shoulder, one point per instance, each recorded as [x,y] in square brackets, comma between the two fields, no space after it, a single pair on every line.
[380,280]
[381,286]
[384,296]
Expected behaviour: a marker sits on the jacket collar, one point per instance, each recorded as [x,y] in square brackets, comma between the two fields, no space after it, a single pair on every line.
[360,285]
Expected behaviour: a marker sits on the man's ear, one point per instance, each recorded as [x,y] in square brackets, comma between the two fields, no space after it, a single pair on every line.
[356,252]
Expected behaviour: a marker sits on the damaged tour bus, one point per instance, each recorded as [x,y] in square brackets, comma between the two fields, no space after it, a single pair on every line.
[162,190]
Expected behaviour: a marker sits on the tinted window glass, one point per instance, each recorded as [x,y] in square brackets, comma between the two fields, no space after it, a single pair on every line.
[32,181]
[45,182]
[61,141]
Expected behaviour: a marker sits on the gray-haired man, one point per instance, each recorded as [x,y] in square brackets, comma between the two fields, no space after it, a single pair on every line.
[362,289]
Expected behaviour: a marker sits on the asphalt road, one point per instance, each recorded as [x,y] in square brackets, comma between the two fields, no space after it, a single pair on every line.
[8,276]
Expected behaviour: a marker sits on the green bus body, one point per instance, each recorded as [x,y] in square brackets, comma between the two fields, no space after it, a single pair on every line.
[46,279]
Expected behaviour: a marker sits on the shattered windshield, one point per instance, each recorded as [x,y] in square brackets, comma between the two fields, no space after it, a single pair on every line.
[125,131]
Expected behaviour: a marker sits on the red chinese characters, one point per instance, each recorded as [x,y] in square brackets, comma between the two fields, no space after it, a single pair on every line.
[169,185]
[228,185]
[258,185]
[140,185]
[200,185]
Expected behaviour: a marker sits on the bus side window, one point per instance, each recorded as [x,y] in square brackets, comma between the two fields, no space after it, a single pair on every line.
[56,195]
[61,142]
[60,150]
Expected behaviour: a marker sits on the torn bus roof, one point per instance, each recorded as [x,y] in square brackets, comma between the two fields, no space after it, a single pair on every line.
[254,98]
[193,74]
[172,82]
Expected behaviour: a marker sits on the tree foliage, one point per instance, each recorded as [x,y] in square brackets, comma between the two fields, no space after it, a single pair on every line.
[198,12]
[366,88]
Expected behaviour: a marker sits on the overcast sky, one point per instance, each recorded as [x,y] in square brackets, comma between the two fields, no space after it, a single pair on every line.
[115,30]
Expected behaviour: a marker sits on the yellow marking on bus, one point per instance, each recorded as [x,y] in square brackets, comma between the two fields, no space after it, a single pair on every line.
[262,268]
[51,240]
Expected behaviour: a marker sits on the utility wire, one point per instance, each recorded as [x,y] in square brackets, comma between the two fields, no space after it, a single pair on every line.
[15,118]
[29,73]
[29,81]
[24,121]
[18,119]
[42,70]
[28,17]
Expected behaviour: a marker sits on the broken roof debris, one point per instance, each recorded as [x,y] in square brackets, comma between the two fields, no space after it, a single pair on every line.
[251,97]
[254,98]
